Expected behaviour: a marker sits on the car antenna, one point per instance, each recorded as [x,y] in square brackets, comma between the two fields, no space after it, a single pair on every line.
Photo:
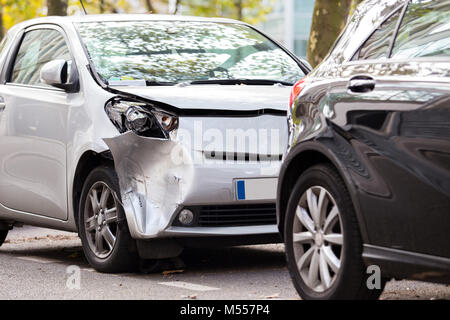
[82,6]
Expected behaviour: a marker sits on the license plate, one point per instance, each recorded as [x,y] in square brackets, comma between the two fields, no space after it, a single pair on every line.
[256,189]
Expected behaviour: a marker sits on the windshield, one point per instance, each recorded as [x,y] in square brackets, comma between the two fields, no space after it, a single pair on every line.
[152,52]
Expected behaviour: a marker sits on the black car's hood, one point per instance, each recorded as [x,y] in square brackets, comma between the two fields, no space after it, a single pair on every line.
[216,97]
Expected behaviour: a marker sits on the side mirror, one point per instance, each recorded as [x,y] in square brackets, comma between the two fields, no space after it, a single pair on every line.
[56,73]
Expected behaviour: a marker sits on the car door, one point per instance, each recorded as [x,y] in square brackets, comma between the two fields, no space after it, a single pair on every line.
[33,128]
[393,101]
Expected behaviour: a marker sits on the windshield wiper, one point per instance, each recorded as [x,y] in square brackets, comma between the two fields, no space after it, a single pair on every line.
[159,83]
[254,82]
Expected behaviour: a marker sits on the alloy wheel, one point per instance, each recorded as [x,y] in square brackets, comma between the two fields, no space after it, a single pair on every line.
[318,238]
[100,219]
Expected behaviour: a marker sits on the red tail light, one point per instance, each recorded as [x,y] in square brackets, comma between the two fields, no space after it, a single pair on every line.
[298,86]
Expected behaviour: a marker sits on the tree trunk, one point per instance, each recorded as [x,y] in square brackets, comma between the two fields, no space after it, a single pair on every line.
[57,7]
[239,9]
[353,6]
[102,6]
[1,22]
[177,4]
[329,18]
[149,5]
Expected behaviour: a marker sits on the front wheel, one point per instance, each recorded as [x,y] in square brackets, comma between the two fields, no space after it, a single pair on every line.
[107,243]
[322,237]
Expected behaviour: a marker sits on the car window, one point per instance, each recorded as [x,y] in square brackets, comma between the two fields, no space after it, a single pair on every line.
[425,30]
[37,48]
[378,44]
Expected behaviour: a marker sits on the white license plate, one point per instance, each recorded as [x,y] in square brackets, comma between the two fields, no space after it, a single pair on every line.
[256,189]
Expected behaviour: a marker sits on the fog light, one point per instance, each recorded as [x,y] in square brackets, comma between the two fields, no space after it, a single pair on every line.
[186,217]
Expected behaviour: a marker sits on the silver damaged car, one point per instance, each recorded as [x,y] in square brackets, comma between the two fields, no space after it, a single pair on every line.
[143,133]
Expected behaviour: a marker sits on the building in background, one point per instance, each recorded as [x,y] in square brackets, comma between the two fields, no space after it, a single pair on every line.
[289,23]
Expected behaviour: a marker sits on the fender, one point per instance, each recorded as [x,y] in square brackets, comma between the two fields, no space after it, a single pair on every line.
[295,155]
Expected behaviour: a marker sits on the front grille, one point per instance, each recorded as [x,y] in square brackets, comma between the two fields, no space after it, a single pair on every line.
[234,215]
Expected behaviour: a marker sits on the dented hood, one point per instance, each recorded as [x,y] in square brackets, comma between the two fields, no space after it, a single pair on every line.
[216,97]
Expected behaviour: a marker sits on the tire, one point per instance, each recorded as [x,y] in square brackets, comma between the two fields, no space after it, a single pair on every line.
[333,234]
[106,240]
[3,234]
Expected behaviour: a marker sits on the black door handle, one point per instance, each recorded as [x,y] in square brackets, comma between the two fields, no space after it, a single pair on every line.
[2,104]
[361,84]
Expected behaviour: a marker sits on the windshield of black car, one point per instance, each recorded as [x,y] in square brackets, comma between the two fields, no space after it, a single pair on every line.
[151,52]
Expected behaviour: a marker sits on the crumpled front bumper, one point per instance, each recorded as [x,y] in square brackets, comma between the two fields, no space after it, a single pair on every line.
[155,184]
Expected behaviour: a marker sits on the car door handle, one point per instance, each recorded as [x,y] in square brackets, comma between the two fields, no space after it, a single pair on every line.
[361,84]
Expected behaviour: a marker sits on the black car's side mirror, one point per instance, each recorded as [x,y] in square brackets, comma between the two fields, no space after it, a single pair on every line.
[56,74]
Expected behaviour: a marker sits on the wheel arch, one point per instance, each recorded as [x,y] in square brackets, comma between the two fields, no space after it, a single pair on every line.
[88,161]
[298,161]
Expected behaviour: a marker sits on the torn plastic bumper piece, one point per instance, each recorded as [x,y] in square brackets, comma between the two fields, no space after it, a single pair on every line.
[145,167]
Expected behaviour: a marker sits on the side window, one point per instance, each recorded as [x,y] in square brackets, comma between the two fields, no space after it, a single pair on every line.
[425,30]
[37,48]
[377,46]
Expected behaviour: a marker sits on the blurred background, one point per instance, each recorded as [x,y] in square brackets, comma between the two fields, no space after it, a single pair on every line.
[297,24]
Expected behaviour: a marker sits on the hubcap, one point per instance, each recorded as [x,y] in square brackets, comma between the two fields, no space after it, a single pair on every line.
[318,238]
[100,218]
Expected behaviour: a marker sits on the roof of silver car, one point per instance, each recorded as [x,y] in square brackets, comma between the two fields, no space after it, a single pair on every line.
[122,17]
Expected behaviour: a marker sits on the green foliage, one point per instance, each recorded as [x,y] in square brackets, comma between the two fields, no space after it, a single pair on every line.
[15,11]
[99,6]
[251,11]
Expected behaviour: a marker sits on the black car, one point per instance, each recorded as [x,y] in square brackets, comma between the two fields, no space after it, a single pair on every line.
[364,191]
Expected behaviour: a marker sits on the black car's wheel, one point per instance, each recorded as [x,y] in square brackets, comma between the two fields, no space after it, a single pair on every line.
[3,234]
[104,233]
[323,242]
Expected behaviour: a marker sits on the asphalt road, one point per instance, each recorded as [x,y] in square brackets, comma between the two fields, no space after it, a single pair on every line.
[39,263]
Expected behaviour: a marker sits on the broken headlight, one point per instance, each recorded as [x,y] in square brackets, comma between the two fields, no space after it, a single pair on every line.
[140,118]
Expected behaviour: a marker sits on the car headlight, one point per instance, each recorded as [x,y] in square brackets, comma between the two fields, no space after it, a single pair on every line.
[167,122]
[140,118]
